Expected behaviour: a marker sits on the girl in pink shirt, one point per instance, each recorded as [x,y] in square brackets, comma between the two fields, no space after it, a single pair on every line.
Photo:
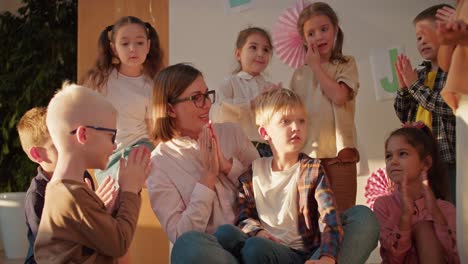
[416,224]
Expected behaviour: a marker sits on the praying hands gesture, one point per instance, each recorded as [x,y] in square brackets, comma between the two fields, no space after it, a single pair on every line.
[406,74]
[213,160]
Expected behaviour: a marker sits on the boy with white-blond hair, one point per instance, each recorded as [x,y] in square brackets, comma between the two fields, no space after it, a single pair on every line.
[37,144]
[75,225]
[283,199]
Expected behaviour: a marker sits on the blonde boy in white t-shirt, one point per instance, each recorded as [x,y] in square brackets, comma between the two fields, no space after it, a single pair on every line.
[284,198]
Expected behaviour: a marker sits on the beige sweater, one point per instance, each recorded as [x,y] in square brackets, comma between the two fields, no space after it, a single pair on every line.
[76,228]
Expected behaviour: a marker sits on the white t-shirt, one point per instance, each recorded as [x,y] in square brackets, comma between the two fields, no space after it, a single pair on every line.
[132,97]
[275,195]
[233,102]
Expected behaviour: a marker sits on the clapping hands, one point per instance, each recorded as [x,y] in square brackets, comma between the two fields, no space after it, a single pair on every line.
[451,31]
[106,192]
[406,74]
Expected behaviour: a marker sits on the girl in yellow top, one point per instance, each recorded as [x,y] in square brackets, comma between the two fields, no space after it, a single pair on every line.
[329,83]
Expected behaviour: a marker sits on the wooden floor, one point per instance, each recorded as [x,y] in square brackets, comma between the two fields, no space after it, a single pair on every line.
[150,244]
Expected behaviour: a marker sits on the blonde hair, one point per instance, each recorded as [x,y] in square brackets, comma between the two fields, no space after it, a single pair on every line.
[32,128]
[169,84]
[73,106]
[274,101]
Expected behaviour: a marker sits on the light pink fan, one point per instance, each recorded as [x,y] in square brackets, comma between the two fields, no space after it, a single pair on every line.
[378,184]
[288,43]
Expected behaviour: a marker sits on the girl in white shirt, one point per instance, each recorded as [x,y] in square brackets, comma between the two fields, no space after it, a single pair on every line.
[236,95]
[129,57]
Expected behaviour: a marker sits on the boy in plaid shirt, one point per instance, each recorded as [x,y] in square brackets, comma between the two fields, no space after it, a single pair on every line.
[419,98]
[285,200]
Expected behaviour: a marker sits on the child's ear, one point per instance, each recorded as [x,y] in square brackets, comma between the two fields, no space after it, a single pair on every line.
[81,134]
[170,111]
[427,163]
[263,133]
[36,154]
[237,54]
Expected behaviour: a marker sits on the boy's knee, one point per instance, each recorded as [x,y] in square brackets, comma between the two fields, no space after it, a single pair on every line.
[227,235]
[224,231]
[191,238]
[363,217]
[191,245]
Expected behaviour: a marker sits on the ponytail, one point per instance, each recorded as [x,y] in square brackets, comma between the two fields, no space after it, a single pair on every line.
[154,60]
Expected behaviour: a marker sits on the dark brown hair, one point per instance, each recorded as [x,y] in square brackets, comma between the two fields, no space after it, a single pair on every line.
[426,145]
[169,84]
[99,74]
[323,9]
[429,13]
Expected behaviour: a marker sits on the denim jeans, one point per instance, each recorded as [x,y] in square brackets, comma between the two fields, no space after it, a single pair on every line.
[199,247]
[230,245]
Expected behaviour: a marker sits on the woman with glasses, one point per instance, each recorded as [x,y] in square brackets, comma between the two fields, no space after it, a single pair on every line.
[195,167]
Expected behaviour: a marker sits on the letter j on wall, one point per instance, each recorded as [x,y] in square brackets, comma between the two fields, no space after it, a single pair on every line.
[383,71]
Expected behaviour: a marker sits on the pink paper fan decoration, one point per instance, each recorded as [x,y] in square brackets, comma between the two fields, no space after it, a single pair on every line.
[287,42]
[378,184]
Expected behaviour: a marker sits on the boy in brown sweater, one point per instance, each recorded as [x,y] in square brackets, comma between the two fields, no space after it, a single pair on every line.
[75,225]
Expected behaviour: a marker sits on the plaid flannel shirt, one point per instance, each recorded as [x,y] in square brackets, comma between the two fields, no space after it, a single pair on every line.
[314,198]
[408,100]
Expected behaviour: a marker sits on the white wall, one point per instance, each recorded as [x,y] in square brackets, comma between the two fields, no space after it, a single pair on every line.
[201,33]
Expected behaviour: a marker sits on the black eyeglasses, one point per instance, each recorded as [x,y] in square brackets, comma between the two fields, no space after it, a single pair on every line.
[113,131]
[199,99]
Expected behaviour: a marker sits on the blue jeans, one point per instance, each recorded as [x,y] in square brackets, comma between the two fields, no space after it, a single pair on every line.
[199,247]
[230,245]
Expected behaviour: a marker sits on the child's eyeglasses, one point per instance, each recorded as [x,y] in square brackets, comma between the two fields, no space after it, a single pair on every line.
[113,131]
[199,99]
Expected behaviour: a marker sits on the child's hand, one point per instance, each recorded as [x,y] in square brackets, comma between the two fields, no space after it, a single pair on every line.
[452,33]
[267,235]
[407,72]
[430,201]
[209,157]
[401,82]
[446,14]
[324,260]
[406,204]
[270,86]
[313,57]
[134,171]
[106,192]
